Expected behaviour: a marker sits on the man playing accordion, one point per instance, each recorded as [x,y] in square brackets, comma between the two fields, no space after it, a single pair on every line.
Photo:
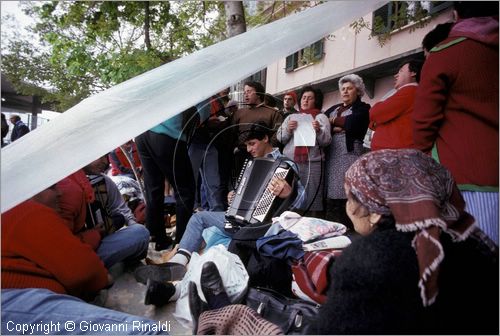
[258,145]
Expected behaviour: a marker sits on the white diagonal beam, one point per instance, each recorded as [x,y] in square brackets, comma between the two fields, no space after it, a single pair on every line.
[108,119]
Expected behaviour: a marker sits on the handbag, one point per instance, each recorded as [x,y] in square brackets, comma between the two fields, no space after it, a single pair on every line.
[293,316]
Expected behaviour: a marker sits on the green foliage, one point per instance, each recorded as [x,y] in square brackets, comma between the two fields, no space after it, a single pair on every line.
[88,46]
[268,11]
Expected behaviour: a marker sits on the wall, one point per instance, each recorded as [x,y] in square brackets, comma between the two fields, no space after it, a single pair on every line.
[344,51]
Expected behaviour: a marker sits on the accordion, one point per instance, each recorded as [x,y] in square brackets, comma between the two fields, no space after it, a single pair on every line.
[252,202]
[97,214]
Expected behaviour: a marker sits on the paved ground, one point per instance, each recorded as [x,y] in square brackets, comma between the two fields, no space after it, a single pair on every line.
[127,295]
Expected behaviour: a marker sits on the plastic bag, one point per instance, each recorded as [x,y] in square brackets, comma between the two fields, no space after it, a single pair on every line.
[233,273]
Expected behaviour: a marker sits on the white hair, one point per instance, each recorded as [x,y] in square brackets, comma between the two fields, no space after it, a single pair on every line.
[356,81]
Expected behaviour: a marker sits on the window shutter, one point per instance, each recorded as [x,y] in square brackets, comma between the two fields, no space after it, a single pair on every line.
[384,15]
[291,62]
[317,48]
[437,6]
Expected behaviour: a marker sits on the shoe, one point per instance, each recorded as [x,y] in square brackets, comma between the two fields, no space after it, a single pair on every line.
[163,245]
[158,293]
[212,286]
[164,272]
[196,305]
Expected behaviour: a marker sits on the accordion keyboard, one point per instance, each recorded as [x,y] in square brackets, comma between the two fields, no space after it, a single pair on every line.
[268,197]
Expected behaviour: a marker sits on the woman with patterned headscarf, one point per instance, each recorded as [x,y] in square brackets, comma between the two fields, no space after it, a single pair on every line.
[420,265]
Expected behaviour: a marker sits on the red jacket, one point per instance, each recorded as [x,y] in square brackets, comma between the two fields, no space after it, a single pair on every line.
[456,106]
[76,192]
[120,164]
[39,251]
[391,120]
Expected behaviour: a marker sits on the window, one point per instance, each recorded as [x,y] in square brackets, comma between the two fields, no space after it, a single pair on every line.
[389,17]
[258,77]
[397,14]
[438,6]
[305,56]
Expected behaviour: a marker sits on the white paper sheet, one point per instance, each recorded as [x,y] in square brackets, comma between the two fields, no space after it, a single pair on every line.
[108,119]
[304,134]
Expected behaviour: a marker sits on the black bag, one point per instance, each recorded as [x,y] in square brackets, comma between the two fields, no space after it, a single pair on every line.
[293,316]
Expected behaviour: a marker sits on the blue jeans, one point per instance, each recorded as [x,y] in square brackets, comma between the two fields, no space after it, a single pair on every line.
[39,311]
[127,244]
[205,159]
[192,239]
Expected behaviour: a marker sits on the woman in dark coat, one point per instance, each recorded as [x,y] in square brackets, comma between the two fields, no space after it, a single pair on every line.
[421,265]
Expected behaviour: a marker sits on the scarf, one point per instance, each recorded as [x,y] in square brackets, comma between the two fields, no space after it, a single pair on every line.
[301,153]
[422,197]
[216,106]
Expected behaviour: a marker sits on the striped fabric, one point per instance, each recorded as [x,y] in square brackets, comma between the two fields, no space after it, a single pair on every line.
[311,273]
[484,207]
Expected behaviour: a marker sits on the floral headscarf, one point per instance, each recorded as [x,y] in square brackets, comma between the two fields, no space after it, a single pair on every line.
[422,197]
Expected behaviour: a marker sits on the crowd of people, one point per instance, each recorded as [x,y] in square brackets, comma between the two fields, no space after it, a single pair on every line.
[420,205]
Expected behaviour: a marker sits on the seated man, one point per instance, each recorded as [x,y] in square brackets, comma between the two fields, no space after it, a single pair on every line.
[47,271]
[257,141]
[96,212]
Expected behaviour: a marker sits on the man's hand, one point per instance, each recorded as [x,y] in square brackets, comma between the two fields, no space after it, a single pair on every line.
[230,196]
[213,121]
[279,187]
[101,229]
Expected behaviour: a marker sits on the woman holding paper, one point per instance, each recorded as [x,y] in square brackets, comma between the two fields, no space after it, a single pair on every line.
[349,123]
[303,135]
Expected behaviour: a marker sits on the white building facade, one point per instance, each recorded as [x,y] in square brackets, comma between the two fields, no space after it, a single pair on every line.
[344,52]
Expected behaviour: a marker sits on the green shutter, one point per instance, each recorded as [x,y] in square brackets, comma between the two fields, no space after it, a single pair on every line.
[291,62]
[382,16]
[317,50]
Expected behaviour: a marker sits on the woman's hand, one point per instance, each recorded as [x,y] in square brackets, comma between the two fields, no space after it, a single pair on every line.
[316,125]
[335,129]
[292,125]
[279,187]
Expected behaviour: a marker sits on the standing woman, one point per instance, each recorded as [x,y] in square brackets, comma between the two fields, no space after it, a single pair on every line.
[308,159]
[349,122]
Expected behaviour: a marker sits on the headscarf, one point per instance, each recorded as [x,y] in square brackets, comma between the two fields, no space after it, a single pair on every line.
[422,197]
[301,153]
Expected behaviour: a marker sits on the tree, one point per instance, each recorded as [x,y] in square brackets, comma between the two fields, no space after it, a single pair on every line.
[90,46]
[235,18]
[87,46]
